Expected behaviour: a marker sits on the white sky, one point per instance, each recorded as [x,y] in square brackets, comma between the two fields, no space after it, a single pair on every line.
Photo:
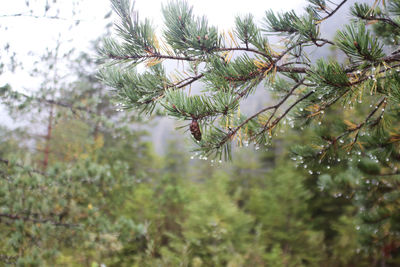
[26,34]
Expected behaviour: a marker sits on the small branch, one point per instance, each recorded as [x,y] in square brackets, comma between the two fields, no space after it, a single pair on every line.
[382,102]
[385,20]
[367,77]
[334,11]
[177,85]
[44,17]
[193,79]
[390,173]
[8,259]
[283,100]
[55,102]
[245,49]
[274,107]
[29,169]
[277,120]
[354,129]
[152,56]
[25,218]
[65,105]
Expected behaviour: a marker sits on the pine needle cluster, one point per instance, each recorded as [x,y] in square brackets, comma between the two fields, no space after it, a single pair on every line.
[230,66]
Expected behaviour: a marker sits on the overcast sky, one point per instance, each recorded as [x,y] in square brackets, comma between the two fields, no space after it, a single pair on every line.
[27,34]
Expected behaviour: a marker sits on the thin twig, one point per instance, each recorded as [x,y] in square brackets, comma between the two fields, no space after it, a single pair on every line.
[46,17]
[334,11]
[29,169]
[26,218]
[275,107]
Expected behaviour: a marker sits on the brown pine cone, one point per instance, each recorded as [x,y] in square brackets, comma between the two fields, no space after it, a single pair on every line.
[195,130]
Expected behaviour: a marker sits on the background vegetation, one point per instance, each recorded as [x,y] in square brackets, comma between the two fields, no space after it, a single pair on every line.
[91,191]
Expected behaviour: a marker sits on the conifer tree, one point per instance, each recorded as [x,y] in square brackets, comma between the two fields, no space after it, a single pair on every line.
[231,66]
[62,215]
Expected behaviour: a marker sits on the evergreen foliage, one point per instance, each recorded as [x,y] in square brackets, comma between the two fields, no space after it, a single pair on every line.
[304,88]
[349,103]
[316,182]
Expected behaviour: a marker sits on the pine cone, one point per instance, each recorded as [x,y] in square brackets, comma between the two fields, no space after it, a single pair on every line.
[195,130]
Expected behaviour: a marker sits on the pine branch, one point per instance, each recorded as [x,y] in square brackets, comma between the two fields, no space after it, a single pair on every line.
[356,129]
[361,125]
[283,100]
[277,120]
[191,40]
[274,107]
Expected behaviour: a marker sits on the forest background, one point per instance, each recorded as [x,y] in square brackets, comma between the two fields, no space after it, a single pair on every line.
[82,185]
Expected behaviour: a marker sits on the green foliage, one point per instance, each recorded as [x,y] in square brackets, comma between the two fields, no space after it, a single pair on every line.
[311,87]
[140,96]
[216,229]
[187,34]
[358,43]
[348,106]
[134,33]
[178,104]
[104,197]
[282,23]
[247,31]
[289,227]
